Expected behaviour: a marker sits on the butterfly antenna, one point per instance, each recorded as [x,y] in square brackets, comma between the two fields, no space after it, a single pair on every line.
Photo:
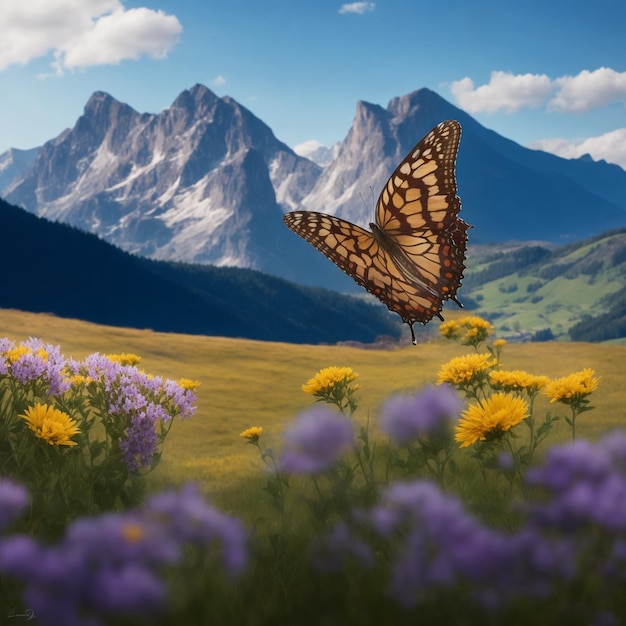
[412,334]
[363,199]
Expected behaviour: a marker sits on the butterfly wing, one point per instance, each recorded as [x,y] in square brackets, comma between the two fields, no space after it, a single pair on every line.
[357,252]
[418,213]
[414,257]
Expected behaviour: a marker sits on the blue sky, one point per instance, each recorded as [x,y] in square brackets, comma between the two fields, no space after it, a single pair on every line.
[548,73]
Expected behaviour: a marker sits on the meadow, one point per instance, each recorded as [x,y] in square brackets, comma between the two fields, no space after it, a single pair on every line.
[245,384]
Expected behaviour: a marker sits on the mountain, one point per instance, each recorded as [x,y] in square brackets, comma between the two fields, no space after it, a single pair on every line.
[508,192]
[13,164]
[205,181]
[56,268]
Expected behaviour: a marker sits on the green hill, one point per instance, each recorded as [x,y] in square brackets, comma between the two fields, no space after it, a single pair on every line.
[541,292]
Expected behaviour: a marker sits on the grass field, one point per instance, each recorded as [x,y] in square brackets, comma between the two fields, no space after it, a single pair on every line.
[249,383]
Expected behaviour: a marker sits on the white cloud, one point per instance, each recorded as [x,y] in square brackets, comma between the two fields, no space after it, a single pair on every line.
[357,7]
[307,147]
[511,92]
[505,91]
[82,33]
[588,90]
[218,81]
[611,147]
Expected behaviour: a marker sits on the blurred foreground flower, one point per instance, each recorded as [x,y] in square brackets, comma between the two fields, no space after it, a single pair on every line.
[315,441]
[424,415]
[13,501]
[587,485]
[111,566]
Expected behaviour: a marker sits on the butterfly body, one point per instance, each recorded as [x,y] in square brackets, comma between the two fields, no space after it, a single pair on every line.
[414,257]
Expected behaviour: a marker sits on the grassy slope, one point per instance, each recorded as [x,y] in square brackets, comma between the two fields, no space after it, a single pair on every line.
[558,303]
[247,383]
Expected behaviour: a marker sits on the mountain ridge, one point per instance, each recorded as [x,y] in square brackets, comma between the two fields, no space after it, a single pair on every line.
[206,181]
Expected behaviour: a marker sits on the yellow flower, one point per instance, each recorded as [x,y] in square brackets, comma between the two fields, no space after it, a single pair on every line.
[450,330]
[15,354]
[328,378]
[124,358]
[465,370]
[497,414]
[572,389]
[51,425]
[477,330]
[252,434]
[78,380]
[188,384]
[517,380]
[499,343]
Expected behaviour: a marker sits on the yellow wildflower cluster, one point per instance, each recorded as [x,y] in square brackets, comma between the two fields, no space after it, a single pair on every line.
[328,378]
[491,419]
[51,425]
[572,389]
[188,384]
[469,331]
[518,381]
[14,354]
[78,380]
[252,434]
[124,358]
[466,370]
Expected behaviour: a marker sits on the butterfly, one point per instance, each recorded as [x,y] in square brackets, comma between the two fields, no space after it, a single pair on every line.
[414,257]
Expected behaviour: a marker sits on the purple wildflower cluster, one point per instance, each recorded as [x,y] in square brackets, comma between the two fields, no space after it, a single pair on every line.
[137,403]
[13,502]
[315,441]
[35,361]
[109,566]
[429,414]
[433,543]
[586,484]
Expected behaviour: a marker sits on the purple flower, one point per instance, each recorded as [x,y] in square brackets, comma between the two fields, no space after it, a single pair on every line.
[428,414]
[192,520]
[13,501]
[44,362]
[111,565]
[140,443]
[315,440]
[586,483]
[338,546]
[131,589]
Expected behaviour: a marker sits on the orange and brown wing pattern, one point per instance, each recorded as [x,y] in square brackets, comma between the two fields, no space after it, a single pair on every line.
[357,252]
[421,193]
[415,257]
[418,209]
